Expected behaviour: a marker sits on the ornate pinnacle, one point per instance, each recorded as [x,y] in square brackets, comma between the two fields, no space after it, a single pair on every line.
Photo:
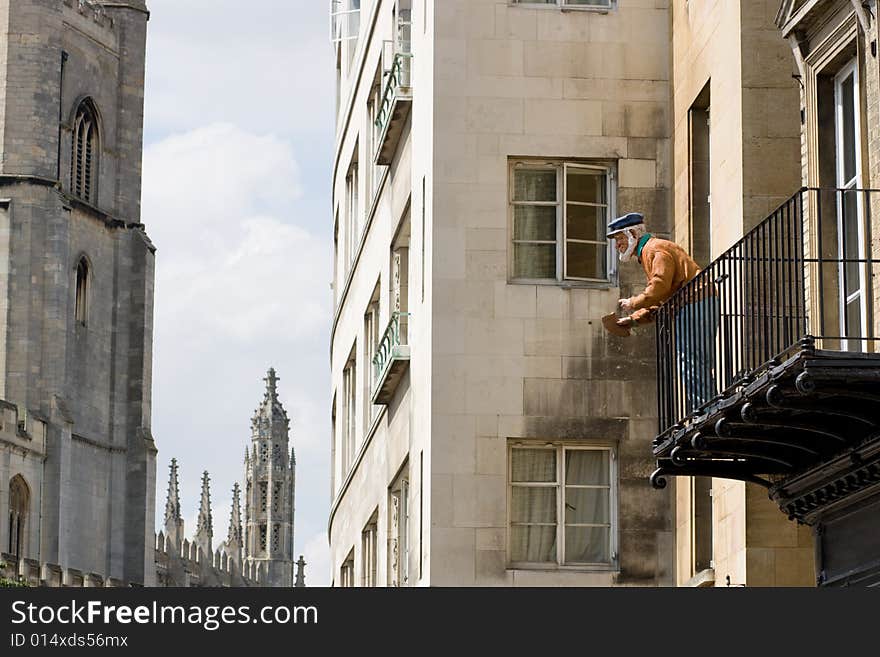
[271,385]
[205,523]
[235,517]
[300,572]
[172,502]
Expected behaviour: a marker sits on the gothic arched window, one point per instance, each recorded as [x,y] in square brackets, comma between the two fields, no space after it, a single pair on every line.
[82,289]
[19,499]
[84,152]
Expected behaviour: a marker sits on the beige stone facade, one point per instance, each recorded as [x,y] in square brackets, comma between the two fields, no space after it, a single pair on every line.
[717,117]
[502,354]
[731,64]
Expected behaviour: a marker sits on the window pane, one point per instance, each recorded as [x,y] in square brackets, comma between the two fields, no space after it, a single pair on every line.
[587,506]
[533,465]
[534,222]
[854,322]
[534,185]
[585,186]
[586,260]
[847,91]
[587,545]
[534,261]
[535,544]
[585,222]
[532,505]
[587,467]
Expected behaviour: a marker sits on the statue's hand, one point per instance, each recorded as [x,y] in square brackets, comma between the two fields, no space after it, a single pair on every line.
[625,305]
[626,322]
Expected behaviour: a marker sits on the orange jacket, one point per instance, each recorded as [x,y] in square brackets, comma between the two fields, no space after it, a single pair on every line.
[667,267]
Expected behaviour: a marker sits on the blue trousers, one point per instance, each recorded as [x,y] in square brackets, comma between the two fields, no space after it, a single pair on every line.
[696,326]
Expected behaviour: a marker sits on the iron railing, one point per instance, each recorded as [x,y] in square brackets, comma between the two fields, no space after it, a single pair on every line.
[399,76]
[803,273]
[395,335]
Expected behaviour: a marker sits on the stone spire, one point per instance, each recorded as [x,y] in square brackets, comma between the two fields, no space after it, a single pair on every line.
[173,521]
[269,489]
[271,385]
[205,523]
[300,572]
[234,535]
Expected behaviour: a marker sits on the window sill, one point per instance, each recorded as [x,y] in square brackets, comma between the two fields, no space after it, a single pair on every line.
[565,285]
[704,578]
[555,568]
[594,10]
[565,8]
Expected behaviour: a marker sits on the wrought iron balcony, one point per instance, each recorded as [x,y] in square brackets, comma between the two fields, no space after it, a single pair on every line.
[392,358]
[767,363]
[394,108]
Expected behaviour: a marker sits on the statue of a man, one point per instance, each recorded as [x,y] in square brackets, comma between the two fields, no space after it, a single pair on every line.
[668,268]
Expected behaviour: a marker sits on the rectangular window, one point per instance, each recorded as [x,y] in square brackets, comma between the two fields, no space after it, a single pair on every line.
[423,238]
[700,178]
[263,496]
[562,505]
[277,498]
[559,215]
[352,211]
[398,529]
[333,450]
[336,281]
[371,345]
[349,401]
[701,524]
[346,571]
[373,135]
[369,550]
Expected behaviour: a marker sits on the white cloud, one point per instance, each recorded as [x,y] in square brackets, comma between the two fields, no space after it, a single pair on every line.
[217,202]
[267,64]
[240,285]
[317,556]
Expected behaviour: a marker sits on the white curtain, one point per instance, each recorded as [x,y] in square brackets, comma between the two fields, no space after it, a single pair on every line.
[587,506]
[533,507]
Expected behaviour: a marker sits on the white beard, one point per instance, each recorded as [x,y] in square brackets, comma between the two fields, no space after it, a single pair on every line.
[630,249]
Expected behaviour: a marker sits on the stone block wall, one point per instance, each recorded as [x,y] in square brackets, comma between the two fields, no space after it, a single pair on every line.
[525,362]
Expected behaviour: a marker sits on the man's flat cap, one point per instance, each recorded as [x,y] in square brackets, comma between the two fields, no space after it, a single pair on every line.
[626,221]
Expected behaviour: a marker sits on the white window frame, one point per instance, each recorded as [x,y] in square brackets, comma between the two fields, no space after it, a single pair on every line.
[860,296]
[560,448]
[352,213]
[349,416]
[372,337]
[346,571]
[370,552]
[562,167]
[564,5]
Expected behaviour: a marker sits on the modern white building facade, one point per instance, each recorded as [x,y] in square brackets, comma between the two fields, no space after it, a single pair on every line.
[486,430]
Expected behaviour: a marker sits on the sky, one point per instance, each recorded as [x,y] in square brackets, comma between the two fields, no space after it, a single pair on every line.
[238,140]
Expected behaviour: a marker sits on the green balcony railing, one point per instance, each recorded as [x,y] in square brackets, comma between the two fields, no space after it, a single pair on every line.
[392,347]
[399,78]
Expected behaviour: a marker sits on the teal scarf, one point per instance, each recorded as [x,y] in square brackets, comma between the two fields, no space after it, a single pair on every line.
[641,245]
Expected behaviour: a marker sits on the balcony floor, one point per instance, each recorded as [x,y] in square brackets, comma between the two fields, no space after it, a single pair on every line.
[807,428]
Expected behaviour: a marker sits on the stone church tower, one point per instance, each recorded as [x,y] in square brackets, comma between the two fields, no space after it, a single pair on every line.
[270,472]
[77,458]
